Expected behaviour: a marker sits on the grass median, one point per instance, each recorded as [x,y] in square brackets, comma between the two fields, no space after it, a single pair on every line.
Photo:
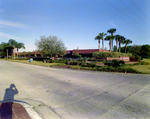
[40,63]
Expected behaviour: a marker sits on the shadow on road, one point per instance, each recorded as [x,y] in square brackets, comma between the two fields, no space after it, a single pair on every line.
[6,107]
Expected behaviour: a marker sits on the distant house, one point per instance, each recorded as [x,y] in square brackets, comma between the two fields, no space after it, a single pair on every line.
[83,52]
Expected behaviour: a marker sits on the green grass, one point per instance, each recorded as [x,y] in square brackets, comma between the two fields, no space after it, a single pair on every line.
[146,60]
[143,68]
[35,62]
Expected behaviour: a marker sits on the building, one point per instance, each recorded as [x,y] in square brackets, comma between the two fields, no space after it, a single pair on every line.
[83,52]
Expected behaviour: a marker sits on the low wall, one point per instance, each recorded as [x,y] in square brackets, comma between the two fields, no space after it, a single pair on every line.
[124,58]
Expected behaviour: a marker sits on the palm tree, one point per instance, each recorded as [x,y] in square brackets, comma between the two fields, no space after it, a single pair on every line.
[98,38]
[18,46]
[110,38]
[5,47]
[121,40]
[117,37]
[14,44]
[112,31]
[126,42]
[102,36]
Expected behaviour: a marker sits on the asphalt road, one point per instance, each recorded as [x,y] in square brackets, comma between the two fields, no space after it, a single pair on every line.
[74,94]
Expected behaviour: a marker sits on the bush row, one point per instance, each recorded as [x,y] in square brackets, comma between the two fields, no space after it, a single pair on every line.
[21,58]
[115,63]
[110,54]
[107,69]
[135,58]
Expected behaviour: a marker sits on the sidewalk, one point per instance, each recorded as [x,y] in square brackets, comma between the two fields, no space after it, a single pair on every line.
[26,109]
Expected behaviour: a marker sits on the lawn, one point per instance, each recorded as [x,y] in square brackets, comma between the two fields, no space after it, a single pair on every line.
[143,68]
[34,62]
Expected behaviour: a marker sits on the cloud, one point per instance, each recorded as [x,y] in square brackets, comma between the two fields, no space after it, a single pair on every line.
[12,24]
[7,36]
[113,24]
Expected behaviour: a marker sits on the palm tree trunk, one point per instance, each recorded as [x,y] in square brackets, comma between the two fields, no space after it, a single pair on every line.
[119,46]
[17,52]
[112,41]
[126,49]
[14,52]
[99,45]
[7,53]
[110,45]
[103,44]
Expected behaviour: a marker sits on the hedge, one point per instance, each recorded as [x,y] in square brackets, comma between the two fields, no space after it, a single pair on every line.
[107,69]
[110,54]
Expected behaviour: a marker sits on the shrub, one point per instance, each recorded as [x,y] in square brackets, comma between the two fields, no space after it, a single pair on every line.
[110,54]
[75,67]
[22,58]
[59,64]
[86,68]
[91,65]
[121,62]
[83,64]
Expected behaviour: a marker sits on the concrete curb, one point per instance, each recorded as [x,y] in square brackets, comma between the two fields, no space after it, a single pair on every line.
[36,109]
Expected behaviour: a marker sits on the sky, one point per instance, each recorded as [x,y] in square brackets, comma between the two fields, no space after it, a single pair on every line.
[75,22]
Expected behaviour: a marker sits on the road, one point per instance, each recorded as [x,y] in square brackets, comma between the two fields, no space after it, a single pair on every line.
[74,94]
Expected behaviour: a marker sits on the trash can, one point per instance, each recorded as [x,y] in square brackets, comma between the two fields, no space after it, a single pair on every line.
[31,59]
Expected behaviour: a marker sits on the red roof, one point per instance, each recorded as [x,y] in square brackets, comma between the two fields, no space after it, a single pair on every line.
[85,51]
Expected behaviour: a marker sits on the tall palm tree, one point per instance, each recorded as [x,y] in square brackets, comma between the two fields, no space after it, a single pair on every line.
[14,44]
[110,38]
[98,38]
[121,40]
[19,46]
[102,37]
[126,42]
[117,37]
[111,31]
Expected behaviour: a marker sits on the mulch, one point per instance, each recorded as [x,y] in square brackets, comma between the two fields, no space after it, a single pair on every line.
[11,110]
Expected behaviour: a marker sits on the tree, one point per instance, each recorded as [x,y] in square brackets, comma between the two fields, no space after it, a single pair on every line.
[110,38]
[13,43]
[18,46]
[98,38]
[121,39]
[5,47]
[145,51]
[50,46]
[126,42]
[101,36]
[117,37]
[111,31]
[136,50]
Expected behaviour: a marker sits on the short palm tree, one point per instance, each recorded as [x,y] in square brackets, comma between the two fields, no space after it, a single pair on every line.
[117,37]
[126,42]
[19,46]
[121,40]
[112,31]
[98,38]
[110,38]
[13,43]
[5,47]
